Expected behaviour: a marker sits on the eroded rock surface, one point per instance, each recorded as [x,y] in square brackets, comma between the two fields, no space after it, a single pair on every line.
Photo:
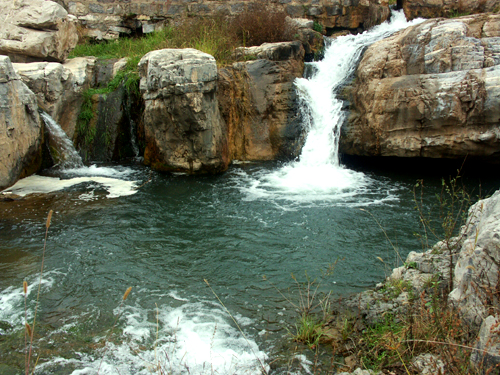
[431,90]
[259,103]
[59,87]
[20,127]
[36,30]
[184,130]
[444,8]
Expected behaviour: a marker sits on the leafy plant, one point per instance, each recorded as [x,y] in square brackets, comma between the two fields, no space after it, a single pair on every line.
[317,27]
[308,331]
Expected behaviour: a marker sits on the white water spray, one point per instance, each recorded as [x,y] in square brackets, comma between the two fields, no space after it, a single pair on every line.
[67,156]
[318,175]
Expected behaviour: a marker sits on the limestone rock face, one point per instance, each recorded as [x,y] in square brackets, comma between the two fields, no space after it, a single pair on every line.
[431,90]
[20,127]
[36,30]
[58,87]
[259,103]
[444,8]
[477,278]
[183,128]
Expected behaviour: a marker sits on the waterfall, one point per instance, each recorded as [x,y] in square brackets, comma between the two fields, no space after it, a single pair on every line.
[61,148]
[317,174]
[320,106]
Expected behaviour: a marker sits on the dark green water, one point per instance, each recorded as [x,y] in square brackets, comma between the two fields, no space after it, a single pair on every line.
[170,236]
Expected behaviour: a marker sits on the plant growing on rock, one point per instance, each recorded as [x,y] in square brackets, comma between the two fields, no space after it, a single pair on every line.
[451,212]
[261,23]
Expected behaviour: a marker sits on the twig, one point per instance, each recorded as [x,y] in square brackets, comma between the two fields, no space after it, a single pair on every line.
[237,325]
[47,226]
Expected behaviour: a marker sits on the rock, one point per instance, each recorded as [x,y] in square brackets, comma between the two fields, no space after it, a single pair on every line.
[36,30]
[477,268]
[444,8]
[272,51]
[20,129]
[259,103]
[487,355]
[431,90]
[58,90]
[352,15]
[184,130]
[428,364]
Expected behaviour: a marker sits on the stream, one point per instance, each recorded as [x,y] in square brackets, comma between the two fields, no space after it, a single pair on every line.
[217,264]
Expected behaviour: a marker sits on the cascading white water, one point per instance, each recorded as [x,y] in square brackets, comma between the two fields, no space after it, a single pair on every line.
[67,156]
[317,174]
[69,165]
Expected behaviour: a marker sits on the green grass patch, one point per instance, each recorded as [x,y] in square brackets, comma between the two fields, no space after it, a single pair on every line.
[308,330]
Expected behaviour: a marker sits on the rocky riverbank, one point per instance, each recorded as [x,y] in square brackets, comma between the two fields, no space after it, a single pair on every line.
[429,312]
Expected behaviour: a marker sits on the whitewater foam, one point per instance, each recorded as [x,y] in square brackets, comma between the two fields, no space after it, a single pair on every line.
[195,338]
[317,175]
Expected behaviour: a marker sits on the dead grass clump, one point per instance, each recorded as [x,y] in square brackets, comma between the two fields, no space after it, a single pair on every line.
[261,23]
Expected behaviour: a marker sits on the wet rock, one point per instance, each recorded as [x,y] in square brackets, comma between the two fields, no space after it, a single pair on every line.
[259,102]
[20,127]
[428,91]
[184,130]
[36,30]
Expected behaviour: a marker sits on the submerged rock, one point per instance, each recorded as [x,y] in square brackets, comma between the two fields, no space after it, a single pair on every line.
[431,90]
[20,129]
[36,30]
[259,102]
[183,128]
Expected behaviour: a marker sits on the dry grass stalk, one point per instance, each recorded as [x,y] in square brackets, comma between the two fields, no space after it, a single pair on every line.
[32,330]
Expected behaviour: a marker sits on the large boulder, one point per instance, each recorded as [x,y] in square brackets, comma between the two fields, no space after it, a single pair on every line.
[20,127]
[59,87]
[432,90]
[446,8]
[183,128]
[259,102]
[36,30]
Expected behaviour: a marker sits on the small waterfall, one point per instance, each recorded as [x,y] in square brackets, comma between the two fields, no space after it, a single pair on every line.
[61,148]
[318,175]
[321,108]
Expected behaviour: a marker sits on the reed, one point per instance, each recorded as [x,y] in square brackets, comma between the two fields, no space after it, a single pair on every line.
[30,330]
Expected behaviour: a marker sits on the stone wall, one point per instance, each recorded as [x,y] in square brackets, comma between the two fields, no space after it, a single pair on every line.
[109,18]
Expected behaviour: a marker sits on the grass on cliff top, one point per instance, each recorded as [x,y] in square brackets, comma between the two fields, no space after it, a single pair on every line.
[217,36]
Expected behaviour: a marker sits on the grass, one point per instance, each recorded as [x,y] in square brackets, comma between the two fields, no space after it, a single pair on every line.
[216,35]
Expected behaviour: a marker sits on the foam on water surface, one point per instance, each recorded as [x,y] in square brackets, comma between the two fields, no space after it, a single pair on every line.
[195,338]
[317,175]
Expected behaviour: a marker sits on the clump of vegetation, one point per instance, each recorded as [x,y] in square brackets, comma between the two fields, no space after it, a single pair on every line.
[262,24]
[217,35]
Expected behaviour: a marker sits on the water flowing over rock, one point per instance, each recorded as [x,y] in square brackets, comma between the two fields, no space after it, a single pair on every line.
[429,91]
[62,150]
[36,30]
[20,129]
[444,8]
[58,87]
[182,123]
[259,102]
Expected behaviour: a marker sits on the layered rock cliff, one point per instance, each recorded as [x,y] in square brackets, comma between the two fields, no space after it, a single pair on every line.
[259,103]
[431,90]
